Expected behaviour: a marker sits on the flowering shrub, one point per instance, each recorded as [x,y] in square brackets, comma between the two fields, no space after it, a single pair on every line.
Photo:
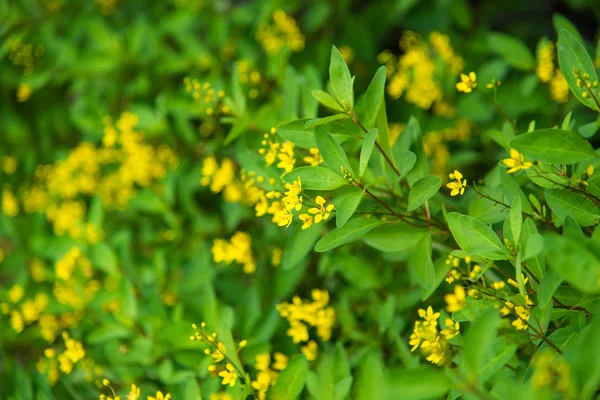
[209,200]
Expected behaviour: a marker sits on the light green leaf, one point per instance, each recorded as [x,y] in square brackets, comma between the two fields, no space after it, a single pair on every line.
[516,218]
[341,80]
[326,99]
[367,150]
[515,52]
[315,178]
[421,262]
[291,380]
[563,202]
[291,95]
[395,237]
[573,57]
[297,133]
[374,96]
[405,161]
[534,246]
[501,353]
[422,190]
[348,206]
[311,123]
[299,245]
[475,237]
[332,153]
[583,273]
[554,146]
[354,229]
[479,340]
[583,357]
[417,383]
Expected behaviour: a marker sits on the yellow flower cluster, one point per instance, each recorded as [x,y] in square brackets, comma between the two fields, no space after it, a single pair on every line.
[434,343]
[441,46]
[212,100]
[545,62]
[436,143]
[53,363]
[467,82]
[23,54]
[521,312]
[559,88]
[274,151]
[454,273]
[70,290]
[10,204]
[415,74]
[252,78]
[267,372]
[516,162]
[456,301]
[229,372]
[587,86]
[550,370]
[302,314]
[134,393]
[283,32]
[114,171]
[238,249]
[24,313]
[24,92]
[319,213]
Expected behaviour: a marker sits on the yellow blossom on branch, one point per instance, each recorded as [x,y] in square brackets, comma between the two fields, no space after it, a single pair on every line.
[459,185]
[322,212]
[456,300]
[467,82]
[229,375]
[516,162]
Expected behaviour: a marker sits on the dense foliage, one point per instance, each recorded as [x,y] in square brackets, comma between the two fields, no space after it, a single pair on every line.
[329,200]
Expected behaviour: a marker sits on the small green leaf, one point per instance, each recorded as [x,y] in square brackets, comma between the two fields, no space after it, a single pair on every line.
[515,52]
[348,206]
[367,149]
[563,202]
[326,99]
[397,237]
[297,133]
[422,190]
[584,356]
[516,218]
[574,62]
[311,123]
[332,153]
[374,96]
[354,229]
[479,340]
[554,146]
[315,178]
[291,380]
[422,264]
[475,237]
[299,245]
[406,161]
[341,80]
[534,246]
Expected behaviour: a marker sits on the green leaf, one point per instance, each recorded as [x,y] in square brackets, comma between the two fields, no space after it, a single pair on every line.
[315,178]
[395,237]
[332,153]
[405,161]
[573,57]
[326,99]
[374,96]
[479,340]
[583,273]
[563,202]
[583,358]
[475,237]
[311,123]
[515,52]
[341,80]
[299,245]
[501,353]
[371,374]
[516,218]
[548,285]
[108,331]
[534,246]
[413,133]
[354,229]
[104,258]
[367,149]
[554,146]
[347,207]
[422,264]
[416,383]
[291,380]
[297,133]
[291,95]
[422,190]
[560,22]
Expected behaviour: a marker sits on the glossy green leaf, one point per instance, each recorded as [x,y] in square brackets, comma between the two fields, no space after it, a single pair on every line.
[479,341]
[356,228]
[513,51]
[516,218]
[422,190]
[563,202]
[299,245]
[315,178]
[291,380]
[366,151]
[395,237]
[348,206]
[554,146]
[311,123]
[422,264]
[475,237]
[374,99]
[326,99]
[341,80]
[332,153]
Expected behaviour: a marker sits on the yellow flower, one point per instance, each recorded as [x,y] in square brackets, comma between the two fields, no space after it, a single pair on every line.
[514,283]
[16,293]
[24,92]
[314,159]
[452,329]
[467,83]
[281,361]
[321,213]
[134,393]
[310,351]
[429,316]
[456,300]
[229,375]
[516,162]
[298,332]
[160,396]
[545,66]
[459,185]
[307,220]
